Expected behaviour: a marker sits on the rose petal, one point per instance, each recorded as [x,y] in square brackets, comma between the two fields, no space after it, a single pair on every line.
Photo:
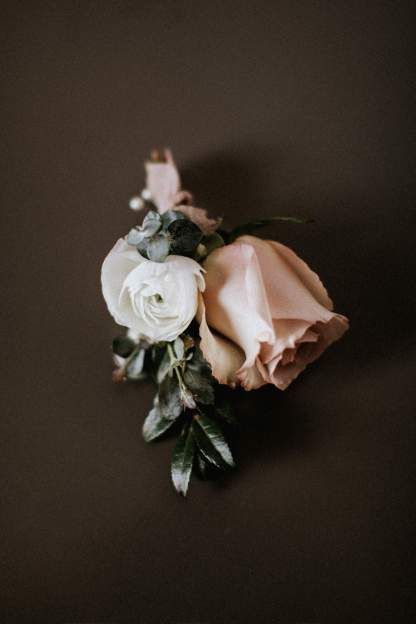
[224,356]
[235,299]
[306,352]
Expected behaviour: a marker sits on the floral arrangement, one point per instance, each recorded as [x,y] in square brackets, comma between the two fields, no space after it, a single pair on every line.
[207,308]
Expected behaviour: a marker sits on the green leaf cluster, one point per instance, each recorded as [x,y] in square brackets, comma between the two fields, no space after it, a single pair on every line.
[188,399]
[162,235]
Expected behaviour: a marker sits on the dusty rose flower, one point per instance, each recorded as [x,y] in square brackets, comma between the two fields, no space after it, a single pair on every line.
[164,185]
[264,314]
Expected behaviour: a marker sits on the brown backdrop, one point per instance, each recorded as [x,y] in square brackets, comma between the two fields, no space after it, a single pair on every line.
[289,107]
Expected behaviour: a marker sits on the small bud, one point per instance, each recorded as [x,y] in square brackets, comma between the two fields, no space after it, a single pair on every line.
[201,251]
[157,156]
[146,195]
[136,203]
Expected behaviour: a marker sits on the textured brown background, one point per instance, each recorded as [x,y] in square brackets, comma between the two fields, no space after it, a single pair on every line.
[289,107]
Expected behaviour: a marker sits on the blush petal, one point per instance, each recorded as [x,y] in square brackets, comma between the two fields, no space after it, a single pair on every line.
[224,357]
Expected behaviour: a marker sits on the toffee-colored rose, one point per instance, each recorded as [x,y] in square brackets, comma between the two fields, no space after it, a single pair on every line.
[264,315]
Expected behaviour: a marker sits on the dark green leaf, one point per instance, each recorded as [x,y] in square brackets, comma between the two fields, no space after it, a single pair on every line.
[170,404]
[185,236]
[205,468]
[198,362]
[200,385]
[211,442]
[155,425]
[123,346]
[158,248]
[170,216]
[183,460]
[134,368]
[252,226]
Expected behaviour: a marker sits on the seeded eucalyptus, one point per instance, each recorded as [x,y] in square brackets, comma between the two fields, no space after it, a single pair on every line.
[162,235]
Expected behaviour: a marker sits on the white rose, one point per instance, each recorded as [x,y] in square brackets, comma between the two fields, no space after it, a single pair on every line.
[155,300]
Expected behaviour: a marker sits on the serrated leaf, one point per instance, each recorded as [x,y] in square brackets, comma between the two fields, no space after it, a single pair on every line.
[185,236]
[155,424]
[200,385]
[252,226]
[123,346]
[134,368]
[211,442]
[158,248]
[183,460]
[170,404]
[170,216]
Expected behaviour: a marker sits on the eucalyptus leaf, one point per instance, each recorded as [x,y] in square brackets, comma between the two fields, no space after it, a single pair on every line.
[170,398]
[185,236]
[155,424]
[135,236]
[170,216]
[152,223]
[158,248]
[123,346]
[211,442]
[134,368]
[183,460]
[252,226]
[142,247]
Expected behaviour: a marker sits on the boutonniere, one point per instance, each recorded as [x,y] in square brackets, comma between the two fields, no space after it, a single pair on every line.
[206,308]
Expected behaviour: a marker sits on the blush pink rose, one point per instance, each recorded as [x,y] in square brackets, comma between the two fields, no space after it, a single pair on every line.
[264,314]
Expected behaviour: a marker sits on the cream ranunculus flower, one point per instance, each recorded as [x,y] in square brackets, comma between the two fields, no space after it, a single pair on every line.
[155,300]
[264,314]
